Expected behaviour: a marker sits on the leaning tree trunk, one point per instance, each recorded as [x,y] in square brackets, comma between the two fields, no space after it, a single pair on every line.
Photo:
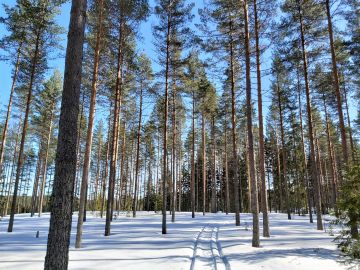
[45,164]
[57,254]
[254,191]
[314,176]
[264,201]
[89,134]
[24,131]
[8,113]
[337,85]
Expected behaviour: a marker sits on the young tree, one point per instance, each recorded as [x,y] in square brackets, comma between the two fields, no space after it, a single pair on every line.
[173,16]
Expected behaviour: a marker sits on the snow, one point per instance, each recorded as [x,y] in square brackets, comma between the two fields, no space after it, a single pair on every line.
[206,242]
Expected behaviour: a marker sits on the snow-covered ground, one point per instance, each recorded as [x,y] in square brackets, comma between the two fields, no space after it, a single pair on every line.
[200,243]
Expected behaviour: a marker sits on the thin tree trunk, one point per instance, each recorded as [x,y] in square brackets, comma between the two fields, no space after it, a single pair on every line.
[337,84]
[166,101]
[134,205]
[264,202]
[115,133]
[227,193]
[306,175]
[8,113]
[233,129]
[45,164]
[193,158]
[89,134]
[36,183]
[352,147]
[283,152]
[57,254]
[314,176]
[24,131]
[213,184]
[203,162]
[331,156]
[254,191]
[174,151]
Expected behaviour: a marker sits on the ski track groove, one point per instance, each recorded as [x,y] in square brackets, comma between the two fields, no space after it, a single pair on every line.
[208,236]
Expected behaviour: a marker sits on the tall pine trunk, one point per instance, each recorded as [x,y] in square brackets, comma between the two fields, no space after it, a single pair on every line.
[264,201]
[314,176]
[8,113]
[24,130]
[57,254]
[337,84]
[89,134]
[254,191]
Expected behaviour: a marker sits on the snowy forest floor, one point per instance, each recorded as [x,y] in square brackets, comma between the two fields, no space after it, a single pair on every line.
[206,242]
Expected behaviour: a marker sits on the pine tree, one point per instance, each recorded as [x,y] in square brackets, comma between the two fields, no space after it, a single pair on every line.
[57,253]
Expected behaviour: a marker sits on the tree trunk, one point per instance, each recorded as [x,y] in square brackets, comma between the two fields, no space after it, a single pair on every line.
[306,175]
[134,205]
[283,152]
[24,131]
[8,113]
[254,191]
[337,85]
[57,253]
[115,133]
[227,194]
[166,101]
[203,162]
[233,129]
[333,170]
[89,134]
[213,184]
[264,202]
[45,164]
[193,157]
[314,176]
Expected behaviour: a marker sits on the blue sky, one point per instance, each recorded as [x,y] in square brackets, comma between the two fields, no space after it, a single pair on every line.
[146,45]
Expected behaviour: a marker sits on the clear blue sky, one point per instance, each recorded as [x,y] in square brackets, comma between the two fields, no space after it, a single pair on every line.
[146,45]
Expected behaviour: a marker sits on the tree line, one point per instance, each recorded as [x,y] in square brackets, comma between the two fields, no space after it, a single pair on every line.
[202,133]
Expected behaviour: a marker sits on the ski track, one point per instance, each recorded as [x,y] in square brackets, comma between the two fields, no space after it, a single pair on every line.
[207,251]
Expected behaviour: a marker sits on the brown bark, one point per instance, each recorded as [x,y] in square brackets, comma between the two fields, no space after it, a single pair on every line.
[166,101]
[8,113]
[283,152]
[305,171]
[193,157]
[253,180]
[314,176]
[203,162]
[333,171]
[89,134]
[233,129]
[264,202]
[24,130]
[137,165]
[337,84]
[65,165]
[115,132]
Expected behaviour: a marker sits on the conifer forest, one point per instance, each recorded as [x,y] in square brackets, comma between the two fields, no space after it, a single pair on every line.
[180,134]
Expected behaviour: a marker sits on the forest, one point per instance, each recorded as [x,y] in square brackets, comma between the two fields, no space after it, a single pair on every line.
[231,109]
